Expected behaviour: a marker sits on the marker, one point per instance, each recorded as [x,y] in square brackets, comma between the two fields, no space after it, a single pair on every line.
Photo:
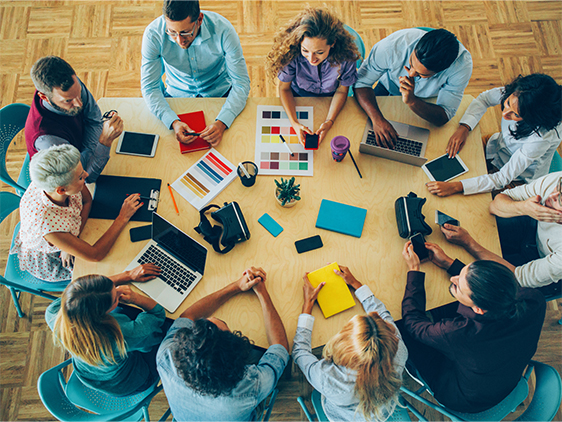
[173,199]
[353,159]
[244,170]
[285,143]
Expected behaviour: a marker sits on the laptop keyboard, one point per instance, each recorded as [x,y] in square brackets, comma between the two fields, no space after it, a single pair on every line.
[405,146]
[173,274]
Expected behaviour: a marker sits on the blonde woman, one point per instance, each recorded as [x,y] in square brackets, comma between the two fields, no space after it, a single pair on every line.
[111,351]
[361,371]
[314,56]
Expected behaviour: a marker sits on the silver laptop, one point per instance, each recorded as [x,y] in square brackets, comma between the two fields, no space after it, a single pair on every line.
[179,256]
[409,149]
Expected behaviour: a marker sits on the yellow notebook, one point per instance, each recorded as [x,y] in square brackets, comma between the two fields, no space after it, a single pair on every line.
[335,296]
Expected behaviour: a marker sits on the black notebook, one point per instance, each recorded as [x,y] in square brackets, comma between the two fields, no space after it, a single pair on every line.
[111,191]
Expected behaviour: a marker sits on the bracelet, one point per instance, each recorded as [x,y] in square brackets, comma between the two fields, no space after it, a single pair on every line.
[329,120]
[466,126]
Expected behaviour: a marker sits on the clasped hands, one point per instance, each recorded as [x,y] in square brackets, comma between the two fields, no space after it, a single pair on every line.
[212,133]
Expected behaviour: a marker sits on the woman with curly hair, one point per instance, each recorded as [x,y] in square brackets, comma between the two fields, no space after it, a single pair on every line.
[531,130]
[360,374]
[314,56]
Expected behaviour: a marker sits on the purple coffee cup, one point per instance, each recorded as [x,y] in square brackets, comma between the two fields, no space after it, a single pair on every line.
[340,146]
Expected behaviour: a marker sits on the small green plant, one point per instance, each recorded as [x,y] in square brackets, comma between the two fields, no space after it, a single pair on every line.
[287,190]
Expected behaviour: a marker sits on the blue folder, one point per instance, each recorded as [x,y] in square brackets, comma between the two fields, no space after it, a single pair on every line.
[341,218]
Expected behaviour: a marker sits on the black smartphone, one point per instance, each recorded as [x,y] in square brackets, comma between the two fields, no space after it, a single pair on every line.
[418,241]
[311,141]
[140,233]
[308,244]
[442,218]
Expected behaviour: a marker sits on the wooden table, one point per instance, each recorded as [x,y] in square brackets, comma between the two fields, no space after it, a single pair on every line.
[375,259]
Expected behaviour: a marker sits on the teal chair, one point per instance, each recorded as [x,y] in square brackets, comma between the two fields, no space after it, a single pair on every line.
[360,46]
[399,414]
[556,163]
[12,121]
[543,406]
[14,278]
[66,401]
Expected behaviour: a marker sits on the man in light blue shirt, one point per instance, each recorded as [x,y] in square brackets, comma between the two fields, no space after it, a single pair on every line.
[201,55]
[414,63]
[206,369]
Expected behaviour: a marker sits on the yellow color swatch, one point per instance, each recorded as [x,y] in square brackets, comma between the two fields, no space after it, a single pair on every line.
[335,296]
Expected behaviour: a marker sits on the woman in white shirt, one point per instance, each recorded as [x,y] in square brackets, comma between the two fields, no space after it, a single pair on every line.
[530,133]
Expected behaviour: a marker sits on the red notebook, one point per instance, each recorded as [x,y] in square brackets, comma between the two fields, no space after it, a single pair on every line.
[196,121]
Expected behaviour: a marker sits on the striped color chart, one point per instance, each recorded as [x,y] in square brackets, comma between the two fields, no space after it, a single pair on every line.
[205,179]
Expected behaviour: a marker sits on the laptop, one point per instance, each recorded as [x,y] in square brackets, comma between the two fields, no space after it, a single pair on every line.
[181,259]
[409,149]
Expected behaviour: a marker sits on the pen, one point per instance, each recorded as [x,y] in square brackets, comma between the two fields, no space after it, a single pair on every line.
[146,198]
[285,143]
[353,159]
[173,199]
[191,134]
[244,170]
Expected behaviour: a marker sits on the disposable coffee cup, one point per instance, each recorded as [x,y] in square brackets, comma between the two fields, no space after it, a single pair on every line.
[340,146]
[247,172]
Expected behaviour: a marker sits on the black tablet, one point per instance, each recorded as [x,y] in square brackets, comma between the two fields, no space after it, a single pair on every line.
[443,168]
[135,143]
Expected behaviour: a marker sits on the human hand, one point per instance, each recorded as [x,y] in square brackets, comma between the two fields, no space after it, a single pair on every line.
[456,234]
[130,206]
[310,294]
[456,141]
[407,87]
[412,260]
[112,128]
[213,133]
[182,131]
[438,256]
[444,188]
[349,279]
[323,130]
[144,272]
[251,277]
[385,134]
[127,295]
[301,131]
[533,208]
[67,259]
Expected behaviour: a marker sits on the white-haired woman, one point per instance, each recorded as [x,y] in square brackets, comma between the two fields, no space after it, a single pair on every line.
[53,212]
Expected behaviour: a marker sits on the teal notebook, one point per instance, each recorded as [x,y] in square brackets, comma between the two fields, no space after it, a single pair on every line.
[341,218]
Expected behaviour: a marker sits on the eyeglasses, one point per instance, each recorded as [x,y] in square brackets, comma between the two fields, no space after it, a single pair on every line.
[560,191]
[191,34]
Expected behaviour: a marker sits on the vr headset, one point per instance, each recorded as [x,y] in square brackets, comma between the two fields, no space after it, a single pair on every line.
[234,229]
[409,217]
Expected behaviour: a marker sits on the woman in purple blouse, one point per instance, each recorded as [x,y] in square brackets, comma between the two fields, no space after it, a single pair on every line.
[314,56]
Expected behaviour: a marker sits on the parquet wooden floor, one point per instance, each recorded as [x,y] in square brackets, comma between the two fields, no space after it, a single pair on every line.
[102,41]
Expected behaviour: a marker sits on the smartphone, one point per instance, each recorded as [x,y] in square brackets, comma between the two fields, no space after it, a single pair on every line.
[140,233]
[442,218]
[308,244]
[311,141]
[418,241]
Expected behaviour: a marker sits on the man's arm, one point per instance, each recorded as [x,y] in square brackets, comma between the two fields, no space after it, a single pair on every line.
[384,131]
[273,325]
[433,113]
[505,206]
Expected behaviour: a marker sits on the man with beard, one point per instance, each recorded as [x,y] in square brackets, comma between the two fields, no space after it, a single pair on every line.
[472,352]
[65,112]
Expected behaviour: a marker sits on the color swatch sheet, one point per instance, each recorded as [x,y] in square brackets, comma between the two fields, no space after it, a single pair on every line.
[272,157]
[205,179]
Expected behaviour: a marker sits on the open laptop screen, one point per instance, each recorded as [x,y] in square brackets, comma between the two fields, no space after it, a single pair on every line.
[178,243]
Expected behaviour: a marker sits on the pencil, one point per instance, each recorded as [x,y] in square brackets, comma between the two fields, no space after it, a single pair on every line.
[173,199]
[285,143]
[354,163]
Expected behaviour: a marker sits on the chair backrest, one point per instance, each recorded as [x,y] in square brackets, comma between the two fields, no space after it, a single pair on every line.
[547,396]
[556,163]
[358,42]
[12,121]
[53,389]
[9,202]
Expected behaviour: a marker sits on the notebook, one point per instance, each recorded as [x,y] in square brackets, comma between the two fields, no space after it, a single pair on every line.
[341,218]
[196,121]
[410,147]
[335,296]
[181,259]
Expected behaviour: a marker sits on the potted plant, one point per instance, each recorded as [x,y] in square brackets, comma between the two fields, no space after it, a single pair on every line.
[286,192]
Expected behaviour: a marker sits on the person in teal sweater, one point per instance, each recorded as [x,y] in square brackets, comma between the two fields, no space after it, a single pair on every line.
[112,350]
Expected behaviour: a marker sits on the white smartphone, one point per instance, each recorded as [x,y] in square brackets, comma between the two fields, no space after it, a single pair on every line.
[443,169]
[135,143]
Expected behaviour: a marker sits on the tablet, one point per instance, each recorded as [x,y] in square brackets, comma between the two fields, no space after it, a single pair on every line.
[443,168]
[135,143]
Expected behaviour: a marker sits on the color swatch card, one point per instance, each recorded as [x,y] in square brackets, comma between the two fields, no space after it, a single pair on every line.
[272,155]
[335,296]
[205,179]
